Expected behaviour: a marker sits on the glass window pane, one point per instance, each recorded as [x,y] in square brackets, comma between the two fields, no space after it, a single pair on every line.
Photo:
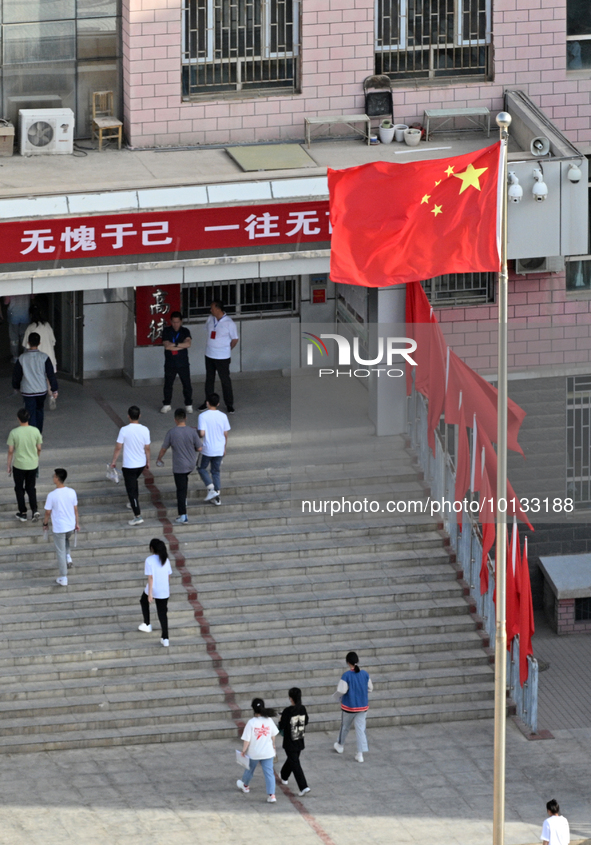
[97,8]
[578,275]
[578,55]
[21,11]
[41,86]
[40,42]
[95,76]
[578,17]
[97,38]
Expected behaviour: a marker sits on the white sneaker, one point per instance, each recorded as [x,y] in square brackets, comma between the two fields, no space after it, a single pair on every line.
[63,581]
[359,757]
[338,748]
[182,520]
[128,505]
[147,629]
[137,520]
[189,409]
[217,500]
[165,409]
[304,791]
[271,799]
[243,787]
[211,493]
[284,782]
[165,643]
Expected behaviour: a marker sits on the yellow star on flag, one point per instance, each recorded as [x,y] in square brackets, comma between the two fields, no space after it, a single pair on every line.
[426,198]
[470,177]
[450,170]
[438,183]
[437,210]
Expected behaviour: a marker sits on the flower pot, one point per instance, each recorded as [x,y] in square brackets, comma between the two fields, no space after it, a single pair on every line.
[386,134]
[412,137]
[399,131]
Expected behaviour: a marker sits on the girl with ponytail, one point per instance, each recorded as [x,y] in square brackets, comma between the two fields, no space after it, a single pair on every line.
[292,724]
[259,740]
[158,569]
[353,689]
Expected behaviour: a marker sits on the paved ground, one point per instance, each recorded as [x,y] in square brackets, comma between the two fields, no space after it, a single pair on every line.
[420,785]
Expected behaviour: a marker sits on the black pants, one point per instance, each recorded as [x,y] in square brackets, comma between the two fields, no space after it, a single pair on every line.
[130,476]
[35,405]
[161,610]
[292,764]
[181,480]
[171,371]
[222,367]
[24,480]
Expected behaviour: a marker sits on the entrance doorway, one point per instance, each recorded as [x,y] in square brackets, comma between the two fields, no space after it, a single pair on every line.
[66,316]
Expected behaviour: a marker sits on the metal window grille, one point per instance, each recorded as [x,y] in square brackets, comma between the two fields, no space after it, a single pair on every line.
[432,38]
[578,439]
[240,45]
[461,288]
[272,296]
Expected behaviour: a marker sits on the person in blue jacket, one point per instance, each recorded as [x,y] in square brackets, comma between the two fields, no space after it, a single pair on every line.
[353,689]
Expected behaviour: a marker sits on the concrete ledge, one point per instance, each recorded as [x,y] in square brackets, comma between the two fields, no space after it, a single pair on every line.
[569,576]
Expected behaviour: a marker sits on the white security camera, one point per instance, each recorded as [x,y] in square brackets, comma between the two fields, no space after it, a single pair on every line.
[574,173]
[540,189]
[515,192]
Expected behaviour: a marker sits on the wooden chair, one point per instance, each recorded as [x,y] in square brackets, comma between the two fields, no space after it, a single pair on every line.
[104,125]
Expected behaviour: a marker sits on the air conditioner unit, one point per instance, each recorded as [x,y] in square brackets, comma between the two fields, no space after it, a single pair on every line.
[549,264]
[46,131]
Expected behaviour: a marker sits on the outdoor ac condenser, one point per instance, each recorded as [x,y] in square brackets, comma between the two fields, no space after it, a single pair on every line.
[46,131]
[548,264]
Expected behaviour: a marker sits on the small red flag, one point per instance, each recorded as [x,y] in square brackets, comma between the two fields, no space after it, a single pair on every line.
[526,618]
[513,567]
[463,462]
[488,531]
[396,223]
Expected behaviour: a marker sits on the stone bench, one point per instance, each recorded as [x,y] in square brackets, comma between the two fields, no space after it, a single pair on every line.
[567,592]
[344,119]
[478,116]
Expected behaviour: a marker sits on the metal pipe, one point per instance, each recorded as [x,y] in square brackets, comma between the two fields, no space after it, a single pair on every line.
[503,121]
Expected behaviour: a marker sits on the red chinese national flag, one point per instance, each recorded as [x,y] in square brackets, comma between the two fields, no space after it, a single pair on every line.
[395,223]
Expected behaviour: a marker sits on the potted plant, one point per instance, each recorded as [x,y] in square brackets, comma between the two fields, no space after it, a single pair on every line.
[386,132]
[412,137]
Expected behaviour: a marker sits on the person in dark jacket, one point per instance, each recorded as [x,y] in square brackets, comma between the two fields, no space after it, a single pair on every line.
[292,724]
[32,371]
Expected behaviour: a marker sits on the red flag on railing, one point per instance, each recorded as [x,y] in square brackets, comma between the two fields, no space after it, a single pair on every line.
[463,461]
[526,618]
[395,223]
[488,530]
[512,594]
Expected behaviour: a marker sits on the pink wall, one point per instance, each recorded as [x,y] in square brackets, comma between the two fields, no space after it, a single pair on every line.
[337,54]
[547,327]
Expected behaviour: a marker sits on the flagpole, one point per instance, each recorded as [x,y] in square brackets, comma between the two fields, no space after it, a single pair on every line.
[503,121]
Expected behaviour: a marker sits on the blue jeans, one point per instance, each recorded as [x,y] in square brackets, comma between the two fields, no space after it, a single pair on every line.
[216,465]
[357,719]
[267,767]
[34,405]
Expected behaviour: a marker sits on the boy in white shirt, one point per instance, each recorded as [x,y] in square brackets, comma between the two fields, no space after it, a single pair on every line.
[555,830]
[62,506]
[134,439]
[213,427]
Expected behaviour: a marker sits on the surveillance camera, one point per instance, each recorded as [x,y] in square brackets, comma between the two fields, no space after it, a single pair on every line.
[515,192]
[540,189]
[574,173]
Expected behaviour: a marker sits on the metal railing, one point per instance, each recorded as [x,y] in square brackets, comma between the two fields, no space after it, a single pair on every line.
[432,38]
[439,473]
[239,45]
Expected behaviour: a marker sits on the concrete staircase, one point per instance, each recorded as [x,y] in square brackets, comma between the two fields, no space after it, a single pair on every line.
[280,598]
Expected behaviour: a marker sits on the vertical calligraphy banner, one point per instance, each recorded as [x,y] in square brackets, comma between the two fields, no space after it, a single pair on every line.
[153,306]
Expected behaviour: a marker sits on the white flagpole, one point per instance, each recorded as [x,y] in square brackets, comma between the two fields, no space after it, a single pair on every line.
[503,122]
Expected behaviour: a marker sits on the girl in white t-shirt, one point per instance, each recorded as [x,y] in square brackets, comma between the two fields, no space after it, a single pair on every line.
[259,741]
[158,570]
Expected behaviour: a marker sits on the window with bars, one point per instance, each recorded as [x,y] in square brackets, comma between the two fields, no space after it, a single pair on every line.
[578,34]
[461,288]
[268,297]
[433,39]
[578,439]
[239,45]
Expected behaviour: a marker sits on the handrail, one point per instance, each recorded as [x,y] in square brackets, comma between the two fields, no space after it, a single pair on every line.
[439,473]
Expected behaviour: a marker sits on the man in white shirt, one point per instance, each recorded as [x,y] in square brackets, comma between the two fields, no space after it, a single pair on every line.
[555,830]
[213,427]
[62,506]
[134,439]
[222,337]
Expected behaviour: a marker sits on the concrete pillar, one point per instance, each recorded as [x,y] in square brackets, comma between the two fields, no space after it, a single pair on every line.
[387,396]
